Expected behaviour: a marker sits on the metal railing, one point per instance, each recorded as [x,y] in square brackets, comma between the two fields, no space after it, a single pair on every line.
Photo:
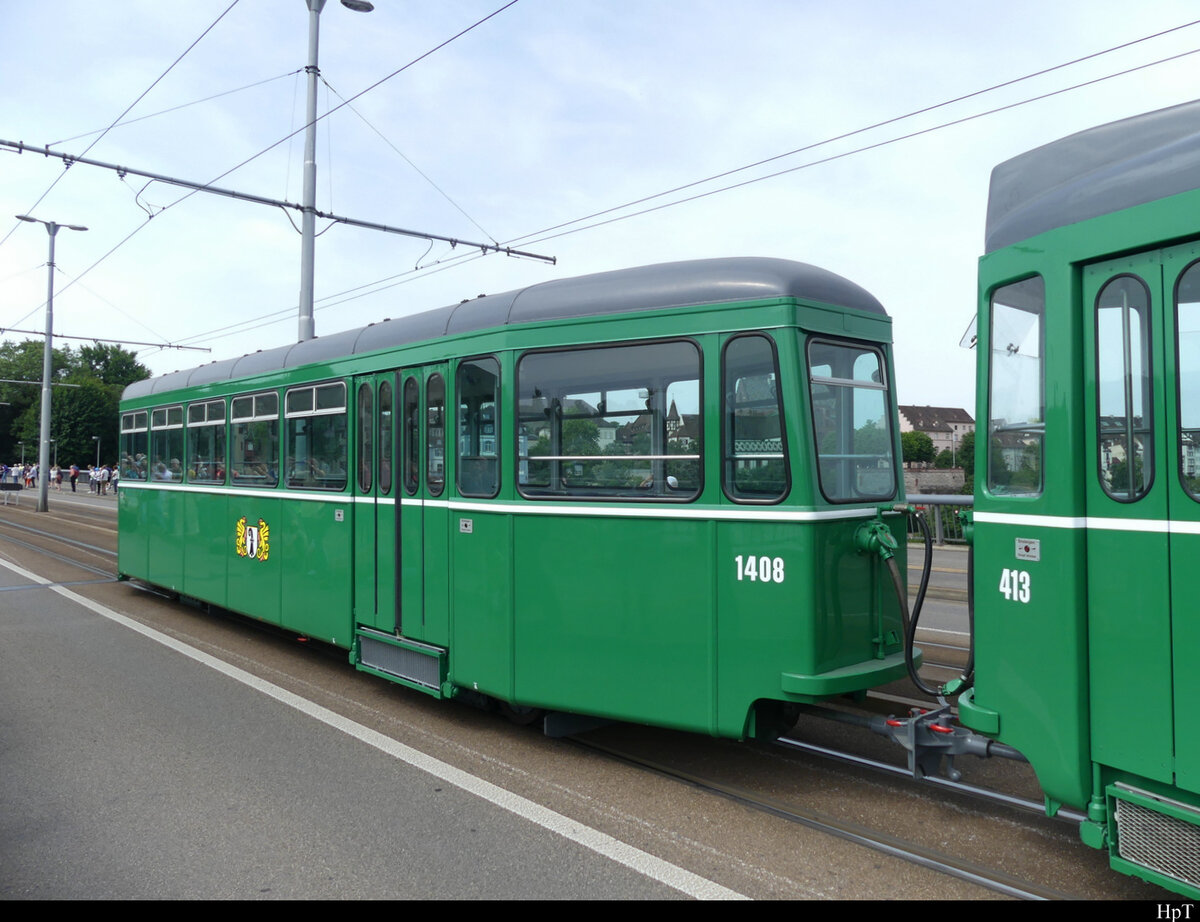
[941,511]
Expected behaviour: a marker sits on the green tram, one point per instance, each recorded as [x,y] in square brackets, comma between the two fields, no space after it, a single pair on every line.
[632,495]
[1087,505]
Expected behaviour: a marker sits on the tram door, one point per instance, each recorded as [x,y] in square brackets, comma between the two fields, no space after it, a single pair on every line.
[1131,486]
[1181,283]
[422,611]
[375,501]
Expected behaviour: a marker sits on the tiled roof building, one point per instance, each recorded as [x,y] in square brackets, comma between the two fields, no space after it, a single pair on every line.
[945,425]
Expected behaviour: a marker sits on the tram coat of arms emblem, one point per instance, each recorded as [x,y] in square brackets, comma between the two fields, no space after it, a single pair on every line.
[251,540]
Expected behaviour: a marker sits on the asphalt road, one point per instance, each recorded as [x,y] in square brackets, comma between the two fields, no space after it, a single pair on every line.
[132,771]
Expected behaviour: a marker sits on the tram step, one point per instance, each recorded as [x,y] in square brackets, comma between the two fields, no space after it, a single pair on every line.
[407,662]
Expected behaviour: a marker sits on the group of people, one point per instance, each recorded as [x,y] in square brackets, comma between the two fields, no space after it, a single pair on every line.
[19,473]
[99,478]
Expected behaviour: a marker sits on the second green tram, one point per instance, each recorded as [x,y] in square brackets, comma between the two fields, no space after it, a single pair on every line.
[632,495]
[1087,505]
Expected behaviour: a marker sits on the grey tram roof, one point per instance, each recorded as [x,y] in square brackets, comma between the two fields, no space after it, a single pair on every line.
[679,284]
[1094,172]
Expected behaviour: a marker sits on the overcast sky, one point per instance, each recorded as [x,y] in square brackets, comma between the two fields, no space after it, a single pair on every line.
[548,112]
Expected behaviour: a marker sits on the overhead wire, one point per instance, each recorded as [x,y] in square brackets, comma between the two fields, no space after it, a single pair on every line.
[858,131]
[403,156]
[545,233]
[128,109]
[182,105]
[526,241]
[287,137]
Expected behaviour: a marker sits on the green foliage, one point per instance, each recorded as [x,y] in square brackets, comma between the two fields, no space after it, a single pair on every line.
[870,439]
[1118,474]
[580,437]
[101,372]
[916,446]
[966,458]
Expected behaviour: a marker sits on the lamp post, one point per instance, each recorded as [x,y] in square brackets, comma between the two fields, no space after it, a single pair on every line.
[96,439]
[308,203]
[43,503]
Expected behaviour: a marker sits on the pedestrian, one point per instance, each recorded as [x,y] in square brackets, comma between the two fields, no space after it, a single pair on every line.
[74,476]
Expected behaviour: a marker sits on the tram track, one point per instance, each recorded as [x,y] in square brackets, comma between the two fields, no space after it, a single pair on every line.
[39,539]
[44,536]
[907,850]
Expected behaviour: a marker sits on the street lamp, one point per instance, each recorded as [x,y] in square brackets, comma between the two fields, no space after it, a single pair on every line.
[308,204]
[43,503]
[96,439]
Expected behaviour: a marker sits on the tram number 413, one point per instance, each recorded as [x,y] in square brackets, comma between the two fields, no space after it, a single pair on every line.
[762,569]
[1014,585]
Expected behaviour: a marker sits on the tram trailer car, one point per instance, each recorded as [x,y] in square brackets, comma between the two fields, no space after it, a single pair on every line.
[632,495]
[1087,504]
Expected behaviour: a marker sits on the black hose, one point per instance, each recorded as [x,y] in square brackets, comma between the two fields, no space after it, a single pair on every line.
[910,628]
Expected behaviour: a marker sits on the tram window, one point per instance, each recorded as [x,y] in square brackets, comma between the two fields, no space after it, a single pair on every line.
[254,453]
[366,413]
[1016,384]
[206,442]
[1187,326]
[755,457]
[316,437]
[385,437]
[619,421]
[476,389]
[412,436]
[166,444]
[435,435]
[851,422]
[134,445]
[1125,444]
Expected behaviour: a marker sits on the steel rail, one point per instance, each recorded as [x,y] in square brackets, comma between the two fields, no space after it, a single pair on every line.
[911,852]
[971,790]
[46,534]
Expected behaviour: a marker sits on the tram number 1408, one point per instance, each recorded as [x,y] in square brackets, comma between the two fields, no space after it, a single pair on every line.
[761,569]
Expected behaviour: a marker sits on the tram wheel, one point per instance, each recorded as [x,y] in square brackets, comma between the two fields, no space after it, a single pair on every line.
[519,714]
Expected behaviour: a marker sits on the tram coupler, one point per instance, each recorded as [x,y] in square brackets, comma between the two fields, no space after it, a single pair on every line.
[930,736]
[875,537]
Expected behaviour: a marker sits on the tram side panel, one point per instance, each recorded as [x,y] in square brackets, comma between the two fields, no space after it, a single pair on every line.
[208,536]
[134,535]
[167,553]
[1031,659]
[614,617]
[256,552]
[482,603]
[318,542]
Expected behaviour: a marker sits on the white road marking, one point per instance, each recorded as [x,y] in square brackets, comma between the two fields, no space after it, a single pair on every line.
[603,844]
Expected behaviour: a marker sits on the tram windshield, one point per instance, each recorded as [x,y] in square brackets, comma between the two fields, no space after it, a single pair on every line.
[851,422]
[1016,414]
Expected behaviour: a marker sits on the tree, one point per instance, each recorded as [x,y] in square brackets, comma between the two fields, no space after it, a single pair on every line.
[917,447]
[99,372]
[580,437]
[966,460]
